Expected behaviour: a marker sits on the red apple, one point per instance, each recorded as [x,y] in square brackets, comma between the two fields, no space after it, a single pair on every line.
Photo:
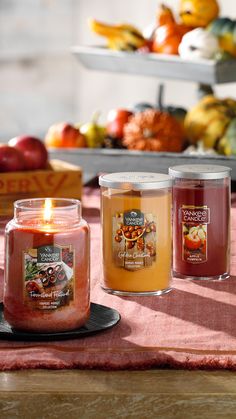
[33,150]
[116,120]
[64,135]
[11,160]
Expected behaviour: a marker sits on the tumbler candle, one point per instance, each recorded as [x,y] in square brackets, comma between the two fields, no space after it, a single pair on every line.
[47,266]
[201,221]
[136,233]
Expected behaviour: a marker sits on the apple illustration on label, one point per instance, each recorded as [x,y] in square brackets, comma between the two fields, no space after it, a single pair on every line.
[192,241]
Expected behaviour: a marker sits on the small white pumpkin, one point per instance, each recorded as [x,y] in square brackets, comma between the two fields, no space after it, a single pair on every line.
[198,43]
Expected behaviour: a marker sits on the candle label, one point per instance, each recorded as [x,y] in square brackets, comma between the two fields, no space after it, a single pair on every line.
[134,239]
[194,221]
[48,277]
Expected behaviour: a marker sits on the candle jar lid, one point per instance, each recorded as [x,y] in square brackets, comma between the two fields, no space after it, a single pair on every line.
[200,171]
[135,180]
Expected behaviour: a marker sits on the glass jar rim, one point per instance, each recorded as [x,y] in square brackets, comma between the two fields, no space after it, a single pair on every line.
[200,171]
[21,203]
[137,181]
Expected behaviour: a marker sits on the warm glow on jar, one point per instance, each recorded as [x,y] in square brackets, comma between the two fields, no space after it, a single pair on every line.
[47,266]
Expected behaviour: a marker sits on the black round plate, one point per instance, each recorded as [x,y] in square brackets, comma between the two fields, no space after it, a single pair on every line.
[101,318]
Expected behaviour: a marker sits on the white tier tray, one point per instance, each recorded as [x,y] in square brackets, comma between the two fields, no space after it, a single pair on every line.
[95,161]
[156,65]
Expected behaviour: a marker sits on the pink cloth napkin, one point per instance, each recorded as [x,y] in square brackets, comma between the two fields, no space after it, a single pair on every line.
[191,327]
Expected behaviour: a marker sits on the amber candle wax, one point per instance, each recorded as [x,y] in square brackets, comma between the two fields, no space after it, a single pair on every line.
[47,266]
[201,221]
[136,229]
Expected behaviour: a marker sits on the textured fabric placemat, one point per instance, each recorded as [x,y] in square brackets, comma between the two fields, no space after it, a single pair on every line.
[191,327]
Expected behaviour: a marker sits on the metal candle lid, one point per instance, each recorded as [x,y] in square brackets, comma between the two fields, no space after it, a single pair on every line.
[199,171]
[136,181]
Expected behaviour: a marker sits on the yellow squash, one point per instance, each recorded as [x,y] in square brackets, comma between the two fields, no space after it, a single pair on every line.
[227,144]
[198,13]
[209,120]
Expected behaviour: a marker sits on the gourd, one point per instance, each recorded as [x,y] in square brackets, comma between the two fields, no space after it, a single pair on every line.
[153,130]
[227,144]
[169,33]
[164,15]
[198,43]
[209,120]
[225,29]
[204,90]
[198,13]
[121,37]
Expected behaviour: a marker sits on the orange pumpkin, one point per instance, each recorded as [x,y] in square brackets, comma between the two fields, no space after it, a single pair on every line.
[153,130]
[169,34]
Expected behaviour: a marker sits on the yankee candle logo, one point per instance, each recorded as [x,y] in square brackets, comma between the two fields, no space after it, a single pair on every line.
[195,215]
[133,218]
[49,254]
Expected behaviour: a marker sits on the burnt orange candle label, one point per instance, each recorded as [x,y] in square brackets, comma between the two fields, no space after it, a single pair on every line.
[194,222]
[48,277]
[134,239]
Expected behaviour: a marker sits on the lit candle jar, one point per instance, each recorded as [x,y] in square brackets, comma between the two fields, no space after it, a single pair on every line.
[201,221]
[47,266]
[136,228]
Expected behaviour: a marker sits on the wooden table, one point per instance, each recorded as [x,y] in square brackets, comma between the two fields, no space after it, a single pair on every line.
[123,394]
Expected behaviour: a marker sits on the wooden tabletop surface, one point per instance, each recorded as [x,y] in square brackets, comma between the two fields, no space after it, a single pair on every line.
[123,394]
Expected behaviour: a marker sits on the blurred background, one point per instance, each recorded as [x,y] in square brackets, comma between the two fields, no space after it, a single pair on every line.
[41,83]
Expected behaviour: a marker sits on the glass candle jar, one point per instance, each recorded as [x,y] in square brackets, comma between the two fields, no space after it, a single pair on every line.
[136,231]
[201,221]
[47,266]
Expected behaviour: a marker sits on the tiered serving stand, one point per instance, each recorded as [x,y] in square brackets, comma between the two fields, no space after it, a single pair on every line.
[207,72]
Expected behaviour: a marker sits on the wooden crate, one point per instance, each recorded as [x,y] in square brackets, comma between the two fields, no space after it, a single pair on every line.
[61,179]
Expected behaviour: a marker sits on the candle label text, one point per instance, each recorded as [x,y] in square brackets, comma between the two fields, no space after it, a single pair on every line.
[48,276]
[134,239]
[48,254]
[194,221]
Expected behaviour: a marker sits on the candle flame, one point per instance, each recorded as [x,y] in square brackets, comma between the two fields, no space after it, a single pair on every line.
[47,214]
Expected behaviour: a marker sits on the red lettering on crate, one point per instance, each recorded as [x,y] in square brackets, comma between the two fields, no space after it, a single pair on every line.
[49,183]
[24,185]
[60,183]
[11,185]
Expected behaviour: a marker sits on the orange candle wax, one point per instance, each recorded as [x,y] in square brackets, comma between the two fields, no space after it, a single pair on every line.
[136,228]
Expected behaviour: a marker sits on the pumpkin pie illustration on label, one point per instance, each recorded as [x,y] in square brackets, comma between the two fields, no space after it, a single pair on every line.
[134,239]
[48,277]
[194,233]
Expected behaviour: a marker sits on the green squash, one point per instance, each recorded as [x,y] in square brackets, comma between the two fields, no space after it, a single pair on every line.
[225,29]
[175,111]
